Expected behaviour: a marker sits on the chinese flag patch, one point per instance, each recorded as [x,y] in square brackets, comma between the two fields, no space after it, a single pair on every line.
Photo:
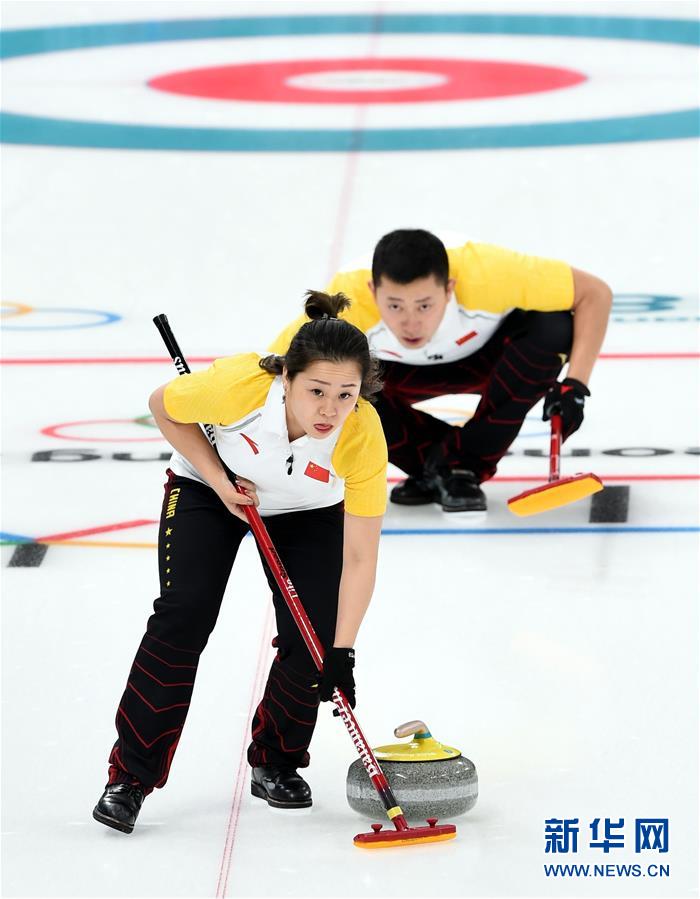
[317,473]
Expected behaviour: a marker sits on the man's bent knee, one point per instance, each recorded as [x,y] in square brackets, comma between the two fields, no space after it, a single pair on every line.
[552,331]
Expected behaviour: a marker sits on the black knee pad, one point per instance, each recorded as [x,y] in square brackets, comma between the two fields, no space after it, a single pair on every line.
[552,331]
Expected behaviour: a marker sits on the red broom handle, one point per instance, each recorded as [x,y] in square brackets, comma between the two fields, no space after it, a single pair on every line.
[291,597]
[555,448]
[314,646]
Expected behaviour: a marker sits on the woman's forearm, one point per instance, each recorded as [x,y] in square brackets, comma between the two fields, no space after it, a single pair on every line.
[360,551]
[356,588]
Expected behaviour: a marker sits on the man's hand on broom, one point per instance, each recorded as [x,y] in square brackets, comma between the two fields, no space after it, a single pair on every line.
[566,398]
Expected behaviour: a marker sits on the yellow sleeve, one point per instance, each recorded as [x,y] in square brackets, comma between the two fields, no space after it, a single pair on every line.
[363,312]
[221,394]
[361,458]
[495,279]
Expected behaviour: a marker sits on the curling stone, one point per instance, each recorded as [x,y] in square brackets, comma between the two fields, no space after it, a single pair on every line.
[427,777]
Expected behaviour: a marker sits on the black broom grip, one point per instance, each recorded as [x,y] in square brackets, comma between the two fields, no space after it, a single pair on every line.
[161,322]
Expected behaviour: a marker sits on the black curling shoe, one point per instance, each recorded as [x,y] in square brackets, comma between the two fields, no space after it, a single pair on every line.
[413,492]
[280,787]
[119,806]
[459,491]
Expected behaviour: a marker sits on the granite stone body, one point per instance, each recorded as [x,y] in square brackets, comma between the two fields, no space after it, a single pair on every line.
[423,789]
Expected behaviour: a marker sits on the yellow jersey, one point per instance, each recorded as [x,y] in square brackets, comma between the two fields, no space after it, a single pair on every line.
[490,282]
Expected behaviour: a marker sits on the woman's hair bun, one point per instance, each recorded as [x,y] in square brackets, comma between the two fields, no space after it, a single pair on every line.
[322,305]
[319,341]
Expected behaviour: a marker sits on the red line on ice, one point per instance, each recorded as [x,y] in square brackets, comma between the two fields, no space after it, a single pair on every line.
[603,477]
[148,360]
[242,773]
[103,529]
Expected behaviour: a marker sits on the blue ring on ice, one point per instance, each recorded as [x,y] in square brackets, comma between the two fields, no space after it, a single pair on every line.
[105,318]
[38,130]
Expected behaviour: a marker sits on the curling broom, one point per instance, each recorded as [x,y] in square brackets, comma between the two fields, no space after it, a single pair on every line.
[402,835]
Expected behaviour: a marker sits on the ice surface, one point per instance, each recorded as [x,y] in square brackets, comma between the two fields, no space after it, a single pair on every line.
[559,654]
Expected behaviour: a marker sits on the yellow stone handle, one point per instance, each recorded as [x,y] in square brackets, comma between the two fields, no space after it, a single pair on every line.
[410,728]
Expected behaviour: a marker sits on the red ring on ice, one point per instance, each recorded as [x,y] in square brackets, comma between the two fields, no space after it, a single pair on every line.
[56,431]
[458,79]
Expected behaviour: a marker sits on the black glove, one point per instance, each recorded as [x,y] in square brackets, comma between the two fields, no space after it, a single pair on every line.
[566,398]
[337,672]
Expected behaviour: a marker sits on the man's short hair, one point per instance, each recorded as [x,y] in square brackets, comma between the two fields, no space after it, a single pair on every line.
[408,254]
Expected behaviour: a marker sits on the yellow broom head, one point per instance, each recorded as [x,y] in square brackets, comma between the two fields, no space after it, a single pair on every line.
[387,839]
[555,494]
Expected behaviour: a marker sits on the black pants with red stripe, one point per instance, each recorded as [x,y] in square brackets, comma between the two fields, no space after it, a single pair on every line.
[197,545]
[512,371]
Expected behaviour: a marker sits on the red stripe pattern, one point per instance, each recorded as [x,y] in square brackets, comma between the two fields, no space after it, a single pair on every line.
[284,720]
